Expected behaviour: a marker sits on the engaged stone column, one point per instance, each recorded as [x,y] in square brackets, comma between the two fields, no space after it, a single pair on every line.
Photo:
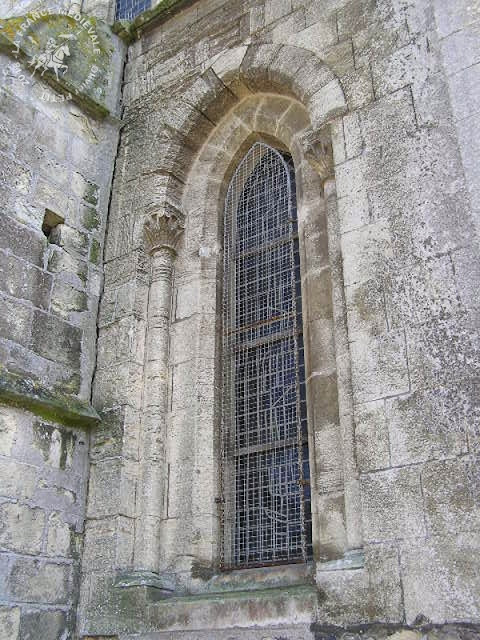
[162,232]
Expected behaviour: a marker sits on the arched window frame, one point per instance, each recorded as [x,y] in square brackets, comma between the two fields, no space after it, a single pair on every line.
[267,515]
[335,513]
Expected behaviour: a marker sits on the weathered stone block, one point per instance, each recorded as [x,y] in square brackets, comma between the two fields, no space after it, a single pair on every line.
[43,624]
[366,310]
[59,536]
[318,36]
[353,135]
[8,430]
[327,103]
[443,352]
[18,480]
[389,119]
[321,345]
[74,242]
[385,597]
[377,41]
[85,189]
[367,252]
[100,543]
[421,293]
[461,49]
[9,623]
[324,394]
[15,321]
[69,268]
[21,280]
[23,241]
[56,340]
[275,9]
[469,140]
[15,175]
[354,16]
[66,300]
[431,101]
[89,217]
[116,383]
[467,270]
[353,211]
[455,17]
[56,445]
[109,480]
[293,24]
[379,366]
[319,301]
[371,436]
[452,500]
[392,505]
[441,578]
[412,63]
[107,440]
[33,580]
[358,88]
[54,198]
[21,528]
[349,177]
[427,425]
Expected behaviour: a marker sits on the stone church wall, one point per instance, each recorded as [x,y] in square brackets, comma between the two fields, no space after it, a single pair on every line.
[405,177]
[54,159]
[393,86]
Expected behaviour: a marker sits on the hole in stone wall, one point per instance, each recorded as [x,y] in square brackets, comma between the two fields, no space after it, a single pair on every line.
[50,221]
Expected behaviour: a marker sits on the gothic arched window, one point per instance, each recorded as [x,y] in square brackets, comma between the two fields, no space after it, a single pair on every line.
[266,477]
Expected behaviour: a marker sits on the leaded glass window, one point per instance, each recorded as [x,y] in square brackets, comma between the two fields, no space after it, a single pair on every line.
[266,478]
[129,9]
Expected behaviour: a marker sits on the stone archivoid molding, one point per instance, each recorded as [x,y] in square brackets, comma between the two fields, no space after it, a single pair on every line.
[32,396]
[239,73]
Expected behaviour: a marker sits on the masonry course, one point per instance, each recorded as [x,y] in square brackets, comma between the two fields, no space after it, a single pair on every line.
[110,322]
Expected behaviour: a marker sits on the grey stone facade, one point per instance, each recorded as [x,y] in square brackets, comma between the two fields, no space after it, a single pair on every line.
[110,517]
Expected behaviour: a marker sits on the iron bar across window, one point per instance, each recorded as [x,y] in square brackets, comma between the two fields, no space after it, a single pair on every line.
[265,468]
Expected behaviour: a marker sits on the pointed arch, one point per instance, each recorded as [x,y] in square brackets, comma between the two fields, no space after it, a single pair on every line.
[237,74]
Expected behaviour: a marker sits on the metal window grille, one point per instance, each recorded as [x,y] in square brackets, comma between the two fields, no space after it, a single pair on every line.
[265,474]
[129,9]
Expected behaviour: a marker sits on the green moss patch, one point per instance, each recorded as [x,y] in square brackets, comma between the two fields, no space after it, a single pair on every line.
[51,404]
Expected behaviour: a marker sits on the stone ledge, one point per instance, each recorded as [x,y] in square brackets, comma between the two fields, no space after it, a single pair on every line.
[221,586]
[33,396]
[298,591]
[143,610]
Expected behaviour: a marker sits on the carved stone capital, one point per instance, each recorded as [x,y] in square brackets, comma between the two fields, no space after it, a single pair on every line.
[317,149]
[163,228]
